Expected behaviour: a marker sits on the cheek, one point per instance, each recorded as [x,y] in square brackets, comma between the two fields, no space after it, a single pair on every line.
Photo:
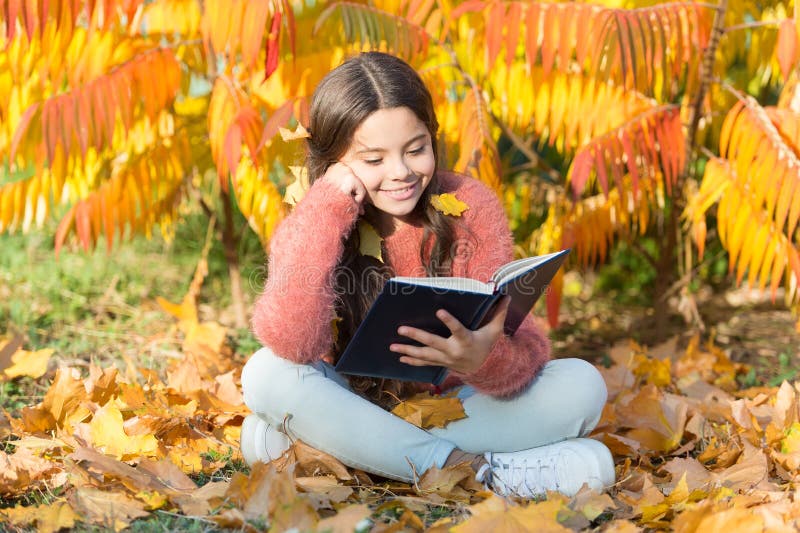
[424,166]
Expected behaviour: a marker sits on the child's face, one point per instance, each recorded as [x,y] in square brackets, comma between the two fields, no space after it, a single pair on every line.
[392,155]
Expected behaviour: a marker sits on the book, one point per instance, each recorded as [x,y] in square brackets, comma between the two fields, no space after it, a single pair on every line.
[406,301]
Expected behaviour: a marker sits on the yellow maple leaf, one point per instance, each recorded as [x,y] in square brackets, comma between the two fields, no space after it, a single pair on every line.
[369,240]
[427,411]
[299,187]
[108,435]
[448,204]
[299,133]
[31,364]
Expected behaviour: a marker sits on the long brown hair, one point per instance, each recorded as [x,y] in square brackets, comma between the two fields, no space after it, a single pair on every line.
[342,101]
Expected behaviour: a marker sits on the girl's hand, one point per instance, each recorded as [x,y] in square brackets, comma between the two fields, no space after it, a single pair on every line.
[343,177]
[464,350]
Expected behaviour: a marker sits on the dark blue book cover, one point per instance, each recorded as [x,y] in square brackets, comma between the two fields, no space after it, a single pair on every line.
[413,302]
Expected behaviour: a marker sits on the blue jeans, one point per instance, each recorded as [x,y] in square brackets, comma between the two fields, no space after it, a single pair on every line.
[316,405]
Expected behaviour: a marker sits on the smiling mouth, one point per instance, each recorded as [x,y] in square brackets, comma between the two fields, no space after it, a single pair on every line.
[404,189]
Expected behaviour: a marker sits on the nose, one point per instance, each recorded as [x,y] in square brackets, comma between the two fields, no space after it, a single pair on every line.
[401,170]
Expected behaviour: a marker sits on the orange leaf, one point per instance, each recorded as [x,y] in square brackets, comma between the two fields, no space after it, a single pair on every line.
[786,48]
[426,411]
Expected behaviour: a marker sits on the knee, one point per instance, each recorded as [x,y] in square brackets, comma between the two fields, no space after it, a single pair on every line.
[587,391]
[269,383]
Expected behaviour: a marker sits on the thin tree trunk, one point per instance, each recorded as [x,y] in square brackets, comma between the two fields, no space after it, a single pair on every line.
[667,244]
[230,244]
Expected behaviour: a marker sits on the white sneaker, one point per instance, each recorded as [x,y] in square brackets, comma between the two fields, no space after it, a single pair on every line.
[261,441]
[563,467]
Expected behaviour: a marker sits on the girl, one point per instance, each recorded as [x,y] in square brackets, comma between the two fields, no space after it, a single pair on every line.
[372,156]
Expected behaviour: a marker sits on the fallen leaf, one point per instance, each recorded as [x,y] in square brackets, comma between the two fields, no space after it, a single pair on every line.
[314,462]
[31,364]
[451,482]
[325,490]
[426,411]
[47,518]
[591,503]
[448,204]
[108,509]
[109,436]
[346,520]
[201,501]
[495,514]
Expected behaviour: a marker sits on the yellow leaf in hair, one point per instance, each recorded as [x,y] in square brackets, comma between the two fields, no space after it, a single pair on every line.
[298,188]
[299,133]
[369,240]
[448,204]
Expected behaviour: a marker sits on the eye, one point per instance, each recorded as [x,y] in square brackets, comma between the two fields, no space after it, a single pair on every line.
[417,150]
[373,161]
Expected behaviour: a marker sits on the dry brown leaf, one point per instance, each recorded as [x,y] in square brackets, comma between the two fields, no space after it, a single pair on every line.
[346,520]
[323,490]
[591,503]
[101,385]
[202,501]
[427,411]
[107,509]
[313,462]
[64,400]
[22,471]
[7,349]
[451,482]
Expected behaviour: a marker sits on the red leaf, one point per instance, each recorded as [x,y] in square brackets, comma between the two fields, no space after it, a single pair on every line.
[494,35]
[581,167]
[22,128]
[549,45]
[273,44]
[291,27]
[83,225]
[602,174]
[278,119]
[233,150]
[11,18]
[633,167]
[786,49]
[531,33]
[515,19]
[63,229]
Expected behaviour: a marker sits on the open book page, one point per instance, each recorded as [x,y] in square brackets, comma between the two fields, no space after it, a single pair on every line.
[515,268]
[451,283]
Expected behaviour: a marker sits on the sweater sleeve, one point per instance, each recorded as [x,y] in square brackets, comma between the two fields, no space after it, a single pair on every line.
[293,314]
[513,361]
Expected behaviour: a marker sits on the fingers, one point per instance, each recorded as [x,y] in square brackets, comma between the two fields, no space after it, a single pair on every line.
[418,355]
[456,328]
[423,337]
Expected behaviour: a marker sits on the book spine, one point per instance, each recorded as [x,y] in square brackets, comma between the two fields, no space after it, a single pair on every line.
[479,317]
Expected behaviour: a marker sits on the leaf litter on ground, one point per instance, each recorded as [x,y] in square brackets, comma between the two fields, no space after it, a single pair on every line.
[109,446]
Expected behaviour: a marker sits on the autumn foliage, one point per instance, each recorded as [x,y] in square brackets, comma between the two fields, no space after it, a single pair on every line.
[595,123]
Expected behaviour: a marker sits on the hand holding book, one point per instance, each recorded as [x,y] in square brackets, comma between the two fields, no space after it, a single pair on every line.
[463,351]
[412,304]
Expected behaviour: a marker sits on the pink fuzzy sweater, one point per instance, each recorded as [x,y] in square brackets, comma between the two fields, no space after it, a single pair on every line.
[293,315]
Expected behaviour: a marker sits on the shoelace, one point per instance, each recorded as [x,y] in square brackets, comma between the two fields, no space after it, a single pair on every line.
[544,479]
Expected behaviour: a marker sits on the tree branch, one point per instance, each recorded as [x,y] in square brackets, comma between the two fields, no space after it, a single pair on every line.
[534,158]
